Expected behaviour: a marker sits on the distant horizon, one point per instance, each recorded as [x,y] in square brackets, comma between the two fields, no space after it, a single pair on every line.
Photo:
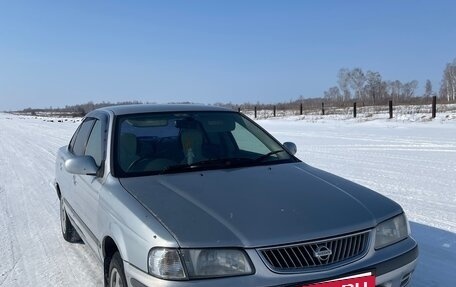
[133,102]
[57,54]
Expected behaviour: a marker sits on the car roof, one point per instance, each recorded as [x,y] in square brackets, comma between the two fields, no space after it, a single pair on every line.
[156,108]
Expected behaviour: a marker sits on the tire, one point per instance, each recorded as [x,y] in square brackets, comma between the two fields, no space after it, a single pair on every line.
[116,276]
[68,231]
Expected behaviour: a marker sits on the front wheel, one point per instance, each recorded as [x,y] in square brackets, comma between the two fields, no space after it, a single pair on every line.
[116,272]
[69,233]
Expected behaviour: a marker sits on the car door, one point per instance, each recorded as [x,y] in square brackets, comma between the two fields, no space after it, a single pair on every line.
[77,148]
[65,179]
[89,186]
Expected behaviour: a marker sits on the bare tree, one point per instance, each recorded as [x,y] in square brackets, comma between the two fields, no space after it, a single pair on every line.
[383,91]
[408,89]
[428,89]
[448,87]
[373,88]
[333,94]
[357,80]
[344,83]
[396,89]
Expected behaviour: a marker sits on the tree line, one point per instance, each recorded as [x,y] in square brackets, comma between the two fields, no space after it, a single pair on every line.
[367,88]
[78,110]
[370,87]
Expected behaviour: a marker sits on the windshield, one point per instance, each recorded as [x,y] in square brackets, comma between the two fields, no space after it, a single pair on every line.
[160,143]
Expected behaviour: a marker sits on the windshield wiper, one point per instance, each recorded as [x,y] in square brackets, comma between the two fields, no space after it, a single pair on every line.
[218,163]
[265,156]
[211,163]
[227,161]
[174,168]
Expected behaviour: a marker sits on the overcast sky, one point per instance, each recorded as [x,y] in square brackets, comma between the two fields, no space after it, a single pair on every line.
[57,53]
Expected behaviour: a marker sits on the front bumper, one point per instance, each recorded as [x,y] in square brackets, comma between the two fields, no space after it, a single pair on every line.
[392,267]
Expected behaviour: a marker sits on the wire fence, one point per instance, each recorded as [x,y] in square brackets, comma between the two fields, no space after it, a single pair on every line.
[355,110]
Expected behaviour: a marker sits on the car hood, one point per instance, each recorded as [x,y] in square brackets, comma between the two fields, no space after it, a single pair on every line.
[258,206]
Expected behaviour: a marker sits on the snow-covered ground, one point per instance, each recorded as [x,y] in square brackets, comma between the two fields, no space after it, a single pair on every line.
[32,251]
[412,162]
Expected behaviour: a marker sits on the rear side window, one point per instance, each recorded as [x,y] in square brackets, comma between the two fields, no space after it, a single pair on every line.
[80,140]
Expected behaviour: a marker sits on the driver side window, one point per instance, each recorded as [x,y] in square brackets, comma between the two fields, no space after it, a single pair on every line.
[80,139]
[95,144]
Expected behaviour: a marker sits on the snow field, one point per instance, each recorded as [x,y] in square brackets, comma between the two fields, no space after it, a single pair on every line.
[411,162]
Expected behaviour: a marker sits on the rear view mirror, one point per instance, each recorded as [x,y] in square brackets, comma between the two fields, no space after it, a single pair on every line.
[81,165]
[218,124]
[290,147]
[186,123]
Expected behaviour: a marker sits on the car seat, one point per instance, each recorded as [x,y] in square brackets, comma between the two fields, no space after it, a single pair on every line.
[192,145]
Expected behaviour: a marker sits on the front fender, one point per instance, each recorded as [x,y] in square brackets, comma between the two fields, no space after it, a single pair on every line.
[134,230]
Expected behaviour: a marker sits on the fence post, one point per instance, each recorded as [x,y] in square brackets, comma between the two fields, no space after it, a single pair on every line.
[274,111]
[354,109]
[323,108]
[239,109]
[255,110]
[390,103]
[434,106]
[300,109]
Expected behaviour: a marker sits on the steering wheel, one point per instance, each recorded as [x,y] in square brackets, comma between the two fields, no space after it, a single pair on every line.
[138,161]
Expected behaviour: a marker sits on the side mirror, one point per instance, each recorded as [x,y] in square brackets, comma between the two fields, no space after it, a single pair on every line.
[81,165]
[291,147]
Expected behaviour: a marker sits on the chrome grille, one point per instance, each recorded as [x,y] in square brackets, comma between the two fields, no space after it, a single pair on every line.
[316,254]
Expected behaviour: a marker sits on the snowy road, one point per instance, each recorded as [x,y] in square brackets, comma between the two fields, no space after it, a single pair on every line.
[32,250]
[413,163]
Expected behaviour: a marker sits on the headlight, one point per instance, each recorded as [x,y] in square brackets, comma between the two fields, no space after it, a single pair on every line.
[205,263]
[169,263]
[391,231]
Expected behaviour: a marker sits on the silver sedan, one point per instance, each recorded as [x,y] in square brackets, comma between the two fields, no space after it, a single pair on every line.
[187,195]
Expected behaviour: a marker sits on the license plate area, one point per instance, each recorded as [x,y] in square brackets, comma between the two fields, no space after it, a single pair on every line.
[360,280]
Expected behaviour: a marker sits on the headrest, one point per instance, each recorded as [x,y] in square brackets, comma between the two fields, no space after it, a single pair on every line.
[191,138]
